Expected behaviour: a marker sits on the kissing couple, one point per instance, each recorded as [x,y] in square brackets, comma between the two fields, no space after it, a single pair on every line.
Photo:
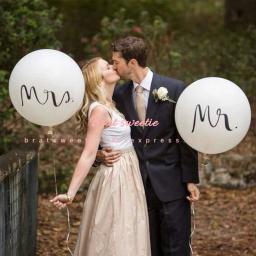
[139,201]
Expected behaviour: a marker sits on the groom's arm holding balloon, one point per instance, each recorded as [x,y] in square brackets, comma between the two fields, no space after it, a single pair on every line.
[188,161]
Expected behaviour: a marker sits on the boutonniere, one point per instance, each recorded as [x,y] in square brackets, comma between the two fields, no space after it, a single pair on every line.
[161,94]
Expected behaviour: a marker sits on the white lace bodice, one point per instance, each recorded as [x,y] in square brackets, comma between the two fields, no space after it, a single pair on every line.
[118,135]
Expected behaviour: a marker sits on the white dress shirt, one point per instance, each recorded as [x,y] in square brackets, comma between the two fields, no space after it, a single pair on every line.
[146,84]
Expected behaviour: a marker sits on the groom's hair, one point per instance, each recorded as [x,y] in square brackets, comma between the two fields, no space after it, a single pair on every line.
[132,47]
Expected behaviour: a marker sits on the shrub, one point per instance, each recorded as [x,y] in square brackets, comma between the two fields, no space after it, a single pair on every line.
[25,25]
[154,31]
[186,56]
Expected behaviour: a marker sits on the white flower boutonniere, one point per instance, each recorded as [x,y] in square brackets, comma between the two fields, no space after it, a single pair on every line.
[161,94]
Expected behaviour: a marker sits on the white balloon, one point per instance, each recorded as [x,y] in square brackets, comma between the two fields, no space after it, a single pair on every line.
[46,87]
[212,115]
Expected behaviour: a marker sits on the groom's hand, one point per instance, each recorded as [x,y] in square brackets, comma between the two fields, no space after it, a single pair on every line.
[109,157]
[193,191]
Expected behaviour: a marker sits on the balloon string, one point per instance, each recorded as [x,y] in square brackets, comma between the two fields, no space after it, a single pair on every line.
[56,192]
[55,177]
[193,227]
[69,230]
[204,164]
[205,160]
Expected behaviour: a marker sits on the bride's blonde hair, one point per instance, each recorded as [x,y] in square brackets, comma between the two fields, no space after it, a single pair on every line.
[94,91]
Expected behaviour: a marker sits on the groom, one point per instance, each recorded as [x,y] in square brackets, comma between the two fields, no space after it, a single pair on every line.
[169,167]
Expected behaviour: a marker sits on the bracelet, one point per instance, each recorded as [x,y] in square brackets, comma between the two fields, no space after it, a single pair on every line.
[69,198]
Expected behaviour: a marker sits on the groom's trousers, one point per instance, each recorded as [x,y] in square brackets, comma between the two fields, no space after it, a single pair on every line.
[170,224]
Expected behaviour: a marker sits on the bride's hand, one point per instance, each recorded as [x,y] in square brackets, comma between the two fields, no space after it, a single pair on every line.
[60,201]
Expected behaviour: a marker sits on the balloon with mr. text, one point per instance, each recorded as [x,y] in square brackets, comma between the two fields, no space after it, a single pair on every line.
[213,115]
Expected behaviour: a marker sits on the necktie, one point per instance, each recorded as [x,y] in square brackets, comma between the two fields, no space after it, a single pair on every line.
[140,105]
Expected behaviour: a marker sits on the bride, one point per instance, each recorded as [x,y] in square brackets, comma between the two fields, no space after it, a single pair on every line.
[114,220]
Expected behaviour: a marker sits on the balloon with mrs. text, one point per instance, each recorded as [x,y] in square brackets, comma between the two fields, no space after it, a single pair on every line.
[46,87]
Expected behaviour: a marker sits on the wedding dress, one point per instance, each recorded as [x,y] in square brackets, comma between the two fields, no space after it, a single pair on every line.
[115,218]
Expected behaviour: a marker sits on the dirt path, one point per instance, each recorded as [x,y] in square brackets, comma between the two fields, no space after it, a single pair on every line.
[225,224]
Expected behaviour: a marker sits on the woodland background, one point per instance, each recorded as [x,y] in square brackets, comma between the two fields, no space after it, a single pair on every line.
[188,40]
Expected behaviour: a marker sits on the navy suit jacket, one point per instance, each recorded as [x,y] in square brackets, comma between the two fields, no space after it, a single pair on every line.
[164,158]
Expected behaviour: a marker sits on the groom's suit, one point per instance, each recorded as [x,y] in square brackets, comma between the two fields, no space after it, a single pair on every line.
[166,164]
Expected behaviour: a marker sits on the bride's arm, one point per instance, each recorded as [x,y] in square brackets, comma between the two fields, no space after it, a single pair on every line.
[98,119]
